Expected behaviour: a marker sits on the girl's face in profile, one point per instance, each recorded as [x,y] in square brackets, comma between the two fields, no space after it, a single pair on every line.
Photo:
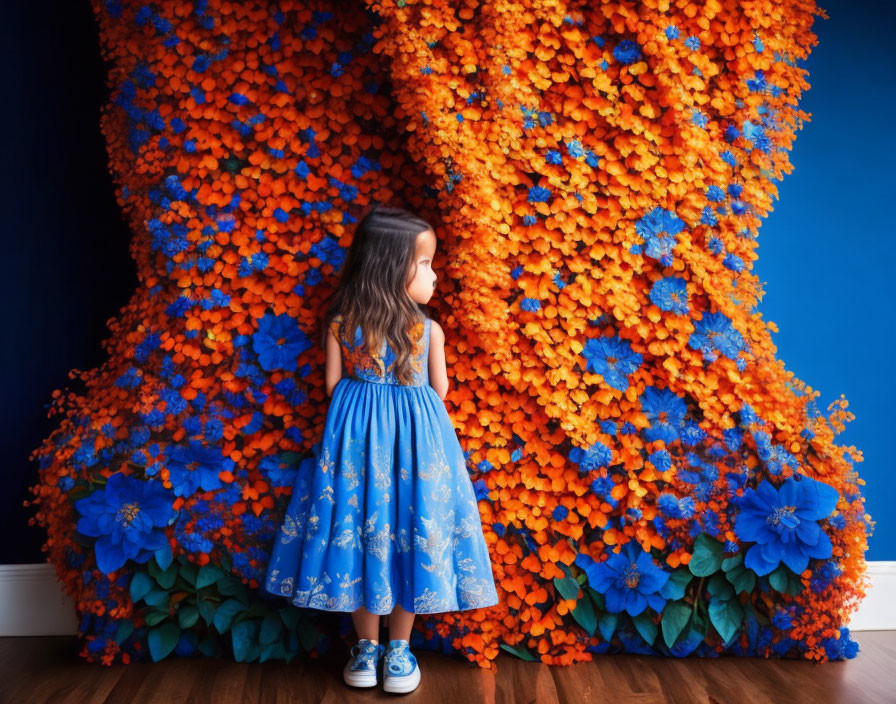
[423,283]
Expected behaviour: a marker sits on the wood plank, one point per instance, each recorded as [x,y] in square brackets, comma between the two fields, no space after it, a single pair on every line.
[35,670]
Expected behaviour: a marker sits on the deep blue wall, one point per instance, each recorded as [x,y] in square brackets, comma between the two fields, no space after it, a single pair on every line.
[825,252]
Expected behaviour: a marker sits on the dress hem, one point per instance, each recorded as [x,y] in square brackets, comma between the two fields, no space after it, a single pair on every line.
[386,613]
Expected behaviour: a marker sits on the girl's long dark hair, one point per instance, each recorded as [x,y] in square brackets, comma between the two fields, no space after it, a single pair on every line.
[372,288]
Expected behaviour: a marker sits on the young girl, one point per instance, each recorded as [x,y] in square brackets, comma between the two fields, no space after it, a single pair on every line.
[384,520]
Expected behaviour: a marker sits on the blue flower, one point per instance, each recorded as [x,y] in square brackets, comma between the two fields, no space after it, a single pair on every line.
[128,517]
[598,455]
[784,523]
[658,228]
[539,194]
[670,294]
[612,358]
[665,411]
[627,52]
[530,304]
[714,334]
[279,342]
[196,465]
[629,580]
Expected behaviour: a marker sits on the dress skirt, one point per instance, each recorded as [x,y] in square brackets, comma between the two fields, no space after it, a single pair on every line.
[383,511]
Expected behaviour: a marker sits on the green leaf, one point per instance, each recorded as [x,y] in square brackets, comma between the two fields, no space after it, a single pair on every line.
[742,579]
[207,610]
[308,635]
[674,618]
[607,623]
[707,557]
[273,651]
[165,577]
[190,572]
[674,587]
[157,598]
[597,598]
[584,614]
[519,651]
[225,614]
[270,628]
[730,563]
[155,616]
[567,587]
[245,640]
[726,617]
[164,556]
[645,625]
[290,616]
[124,630]
[719,587]
[226,561]
[785,580]
[208,646]
[233,586]
[208,574]
[187,616]
[162,640]
[141,583]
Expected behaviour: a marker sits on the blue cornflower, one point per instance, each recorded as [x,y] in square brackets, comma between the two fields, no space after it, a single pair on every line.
[661,459]
[196,465]
[627,52]
[675,507]
[612,358]
[714,333]
[539,194]
[279,342]
[598,455]
[665,411]
[659,228]
[670,294]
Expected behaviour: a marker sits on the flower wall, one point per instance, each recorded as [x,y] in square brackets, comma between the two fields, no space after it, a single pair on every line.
[651,478]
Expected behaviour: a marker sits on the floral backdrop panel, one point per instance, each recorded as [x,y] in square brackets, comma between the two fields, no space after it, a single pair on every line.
[651,479]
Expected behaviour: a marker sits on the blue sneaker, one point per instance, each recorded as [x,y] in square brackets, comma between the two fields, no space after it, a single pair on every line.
[400,671]
[361,670]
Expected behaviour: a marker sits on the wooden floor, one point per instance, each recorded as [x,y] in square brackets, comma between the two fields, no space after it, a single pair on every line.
[48,669]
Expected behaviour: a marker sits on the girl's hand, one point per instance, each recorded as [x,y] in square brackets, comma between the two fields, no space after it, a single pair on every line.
[438,373]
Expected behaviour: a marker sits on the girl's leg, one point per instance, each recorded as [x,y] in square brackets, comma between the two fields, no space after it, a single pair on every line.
[367,625]
[400,624]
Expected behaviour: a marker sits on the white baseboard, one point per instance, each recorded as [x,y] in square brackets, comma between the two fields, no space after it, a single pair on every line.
[32,602]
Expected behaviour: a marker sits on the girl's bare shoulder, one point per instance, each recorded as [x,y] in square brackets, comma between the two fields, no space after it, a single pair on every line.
[435,331]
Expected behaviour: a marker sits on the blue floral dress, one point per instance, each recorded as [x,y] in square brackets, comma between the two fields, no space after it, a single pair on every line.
[383,511]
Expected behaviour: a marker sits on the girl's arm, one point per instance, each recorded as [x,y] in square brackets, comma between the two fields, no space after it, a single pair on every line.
[438,374]
[333,371]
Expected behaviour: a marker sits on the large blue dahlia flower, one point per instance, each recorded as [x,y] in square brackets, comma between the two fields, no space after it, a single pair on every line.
[629,580]
[784,523]
[128,517]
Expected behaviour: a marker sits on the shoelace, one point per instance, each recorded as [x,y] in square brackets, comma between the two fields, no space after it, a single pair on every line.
[366,655]
[399,658]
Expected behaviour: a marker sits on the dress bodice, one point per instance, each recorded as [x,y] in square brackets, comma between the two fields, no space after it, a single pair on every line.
[360,363]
